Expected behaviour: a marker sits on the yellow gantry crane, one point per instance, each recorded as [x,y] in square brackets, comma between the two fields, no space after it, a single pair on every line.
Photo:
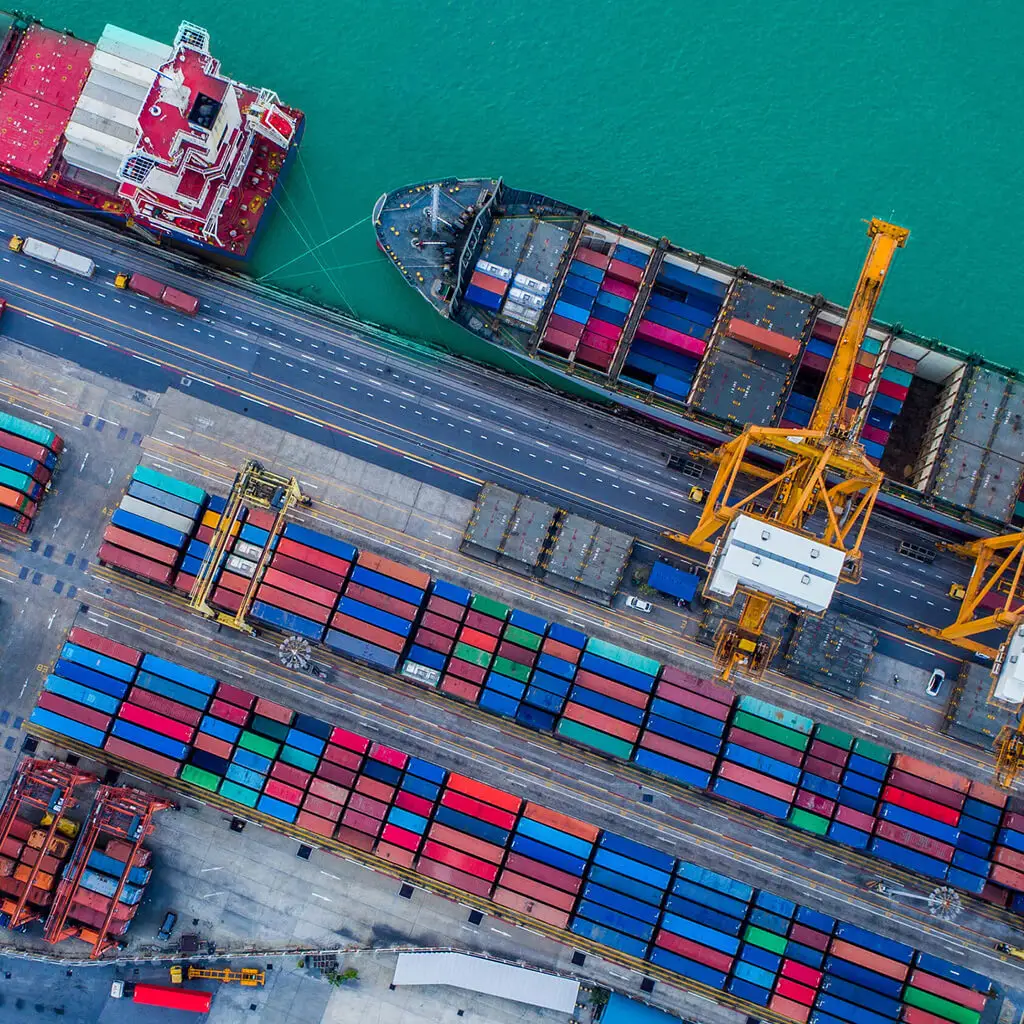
[256,487]
[827,488]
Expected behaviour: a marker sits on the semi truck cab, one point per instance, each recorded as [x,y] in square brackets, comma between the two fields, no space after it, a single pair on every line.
[15,243]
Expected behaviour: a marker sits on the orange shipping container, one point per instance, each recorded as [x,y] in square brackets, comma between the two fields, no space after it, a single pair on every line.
[872,961]
[395,854]
[466,843]
[488,283]
[790,1008]
[488,794]
[562,822]
[371,634]
[386,567]
[533,908]
[531,887]
[931,772]
[602,723]
[988,794]
[761,337]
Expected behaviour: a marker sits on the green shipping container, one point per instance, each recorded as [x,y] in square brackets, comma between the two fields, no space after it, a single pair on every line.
[770,731]
[30,431]
[873,751]
[871,345]
[268,727]
[592,738]
[300,759]
[799,818]
[168,484]
[200,777]
[765,939]
[900,377]
[940,1007]
[602,649]
[771,713]
[836,737]
[471,654]
[512,669]
[516,635]
[487,606]
[232,791]
[259,744]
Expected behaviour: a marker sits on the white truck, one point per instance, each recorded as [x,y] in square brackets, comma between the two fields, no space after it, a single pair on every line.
[63,259]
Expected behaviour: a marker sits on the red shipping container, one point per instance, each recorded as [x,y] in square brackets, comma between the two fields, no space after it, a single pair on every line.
[761,337]
[388,755]
[826,330]
[232,582]
[322,808]
[928,808]
[790,989]
[334,773]
[677,751]
[478,809]
[769,748]
[229,712]
[815,766]
[226,600]
[862,373]
[158,723]
[543,873]
[164,706]
[448,609]
[433,641]
[488,794]
[460,861]
[375,599]
[914,841]
[456,687]
[1010,858]
[353,837]
[591,257]
[813,802]
[995,895]
[205,534]
[484,623]
[788,1008]
[452,876]
[309,573]
[212,745]
[913,766]
[344,758]
[929,790]
[332,564]
[290,603]
[530,906]
[1013,821]
[855,819]
[76,712]
[602,329]
[948,990]
[801,973]
[414,804]
[141,545]
[280,791]
[537,890]
[467,844]
[594,357]
[372,788]
[401,837]
[875,435]
[336,793]
[826,752]
[602,723]
[693,951]
[476,638]
[155,762]
[260,518]
[857,387]
[395,854]
[559,650]
[362,822]
[988,794]
[467,670]
[278,712]
[561,341]
[563,325]
[621,288]
[290,775]
[364,631]
[368,806]
[183,583]
[439,624]
[134,564]
[312,823]
[871,961]
[693,701]
[891,390]
[562,822]
[101,645]
[617,691]
[520,655]
[20,828]
[757,781]
[625,271]
[898,362]
[349,740]
[395,570]
[1007,877]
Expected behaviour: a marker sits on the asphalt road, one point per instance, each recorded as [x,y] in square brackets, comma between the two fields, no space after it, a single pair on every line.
[447,424]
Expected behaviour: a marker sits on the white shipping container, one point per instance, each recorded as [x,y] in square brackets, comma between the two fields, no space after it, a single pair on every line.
[246,550]
[40,250]
[494,270]
[532,284]
[421,673]
[75,264]
[526,298]
[242,566]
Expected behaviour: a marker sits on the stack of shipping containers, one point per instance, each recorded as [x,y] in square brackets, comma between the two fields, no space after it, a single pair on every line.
[152,526]
[1008,856]
[21,852]
[764,750]
[552,677]
[817,808]
[375,617]
[475,645]
[608,699]
[758,967]
[372,796]
[861,785]
[488,285]
[801,959]
[682,736]
[975,855]
[518,648]
[893,386]
[28,457]
[331,782]
[416,799]
[434,638]
[609,304]
[218,730]
[98,887]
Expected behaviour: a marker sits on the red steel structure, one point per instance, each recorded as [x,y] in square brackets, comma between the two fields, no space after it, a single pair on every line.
[119,813]
[47,787]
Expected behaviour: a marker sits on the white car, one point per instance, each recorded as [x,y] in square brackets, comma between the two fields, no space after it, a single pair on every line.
[935,683]
[641,606]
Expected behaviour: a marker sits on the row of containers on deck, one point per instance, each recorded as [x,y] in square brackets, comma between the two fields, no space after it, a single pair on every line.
[331,782]
[587,691]
[29,453]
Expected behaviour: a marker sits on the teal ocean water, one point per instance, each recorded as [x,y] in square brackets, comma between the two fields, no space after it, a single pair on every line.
[759,133]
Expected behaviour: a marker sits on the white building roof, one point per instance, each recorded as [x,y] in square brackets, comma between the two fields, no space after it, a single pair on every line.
[490,977]
[771,560]
[1010,681]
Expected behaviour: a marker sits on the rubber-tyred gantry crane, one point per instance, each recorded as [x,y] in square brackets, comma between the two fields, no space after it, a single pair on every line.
[825,492]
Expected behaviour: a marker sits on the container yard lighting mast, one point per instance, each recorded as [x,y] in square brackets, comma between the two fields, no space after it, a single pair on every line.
[815,510]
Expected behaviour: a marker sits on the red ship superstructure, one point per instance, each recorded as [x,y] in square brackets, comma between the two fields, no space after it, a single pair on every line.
[141,132]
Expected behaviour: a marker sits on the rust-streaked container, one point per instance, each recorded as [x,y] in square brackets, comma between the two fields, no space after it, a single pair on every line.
[484,623]
[76,712]
[988,794]
[929,790]
[322,808]
[449,609]
[699,685]
[439,624]
[602,723]
[824,769]
[1011,858]
[233,582]
[374,789]
[871,961]
[1007,877]
[434,641]
[367,805]
[395,570]
[466,670]
[559,650]
[229,712]
[337,794]
[931,772]
[290,775]
[456,687]
[914,841]
[531,907]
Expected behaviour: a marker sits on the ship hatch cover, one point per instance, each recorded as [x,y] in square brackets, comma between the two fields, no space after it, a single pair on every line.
[204,111]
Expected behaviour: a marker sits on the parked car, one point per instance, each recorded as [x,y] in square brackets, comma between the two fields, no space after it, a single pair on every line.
[641,606]
[170,920]
[935,683]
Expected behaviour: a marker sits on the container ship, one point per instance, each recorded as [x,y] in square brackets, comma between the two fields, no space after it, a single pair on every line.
[704,347]
[144,134]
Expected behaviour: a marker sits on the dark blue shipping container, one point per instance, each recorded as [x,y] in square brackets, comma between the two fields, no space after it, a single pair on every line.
[978,847]
[953,972]
[877,943]
[482,297]
[451,592]
[208,762]
[471,826]
[191,565]
[503,684]
[313,539]
[696,932]
[545,854]
[606,705]
[986,812]
[636,851]
[544,699]
[685,735]
[750,798]
[684,716]
[865,766]
[603,311]
[714,898]
[776,904]
[533,718]
[761,763]
[386,773]
[553,837]
[567,635]
[627,254]
[374,616]
[20,463]
[752,993]
[253,761]
[815,919]
[979,829]
[688,968]
[821,1017]
[627,866]
[616,303]
[66,727]
[150,740]
[712,880]
[919,823]
[703,915]
[622,923]
[171,502]
[360,650]
[848,1011]
[848,836]
[804,955]
[313,726]
[174,691]
[558,685]
[219,728]
[761,957]
[685,773]
[620,903]
[386,585]
[770,922]
[426,770]
[854,993]
[965,880]
[823,787]
[499,703]
[613,670]
[97,662]
[968,862]
[581,269]
[88,677]
[858,801]
[277,809]
[107,865]
[581,284]
[424,656]
[909,859]
[531,623]
[691,281]
[608,937]
[630,886]
[862,784]
[178,674]
[147,528]
[577,300]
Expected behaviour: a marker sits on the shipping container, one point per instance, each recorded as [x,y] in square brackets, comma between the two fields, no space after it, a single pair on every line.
[155,762]
[135,565]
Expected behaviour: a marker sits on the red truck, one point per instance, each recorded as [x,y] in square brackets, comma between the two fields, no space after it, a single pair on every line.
[178,300]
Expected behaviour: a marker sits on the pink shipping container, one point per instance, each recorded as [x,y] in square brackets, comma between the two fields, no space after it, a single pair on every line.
[559,341]
[111,648]
[855,819]
[693,701]
[564,325]
[531,907]
[322,808]
[164,706]
[290,775]
[870,433]
[591,257]
[543,873]
[280,791]
[594,357]
[278,712]
[948,990]
[622,289]
[826,330]
[388,755]
[229,712]
[789,1008]
[597,342]
[693,951]
[668,338]
[809,937]
[697,684]
[606,330]
[813,802]
[349,740]
[625,271]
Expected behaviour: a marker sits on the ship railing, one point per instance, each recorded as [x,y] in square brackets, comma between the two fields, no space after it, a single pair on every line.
[474,238]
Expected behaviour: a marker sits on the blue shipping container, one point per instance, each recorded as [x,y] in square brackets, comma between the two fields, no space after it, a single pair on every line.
[712,880]
[289,622]
[499,703]
[253,761]
[608,937]
[714,898]
[87,677]
[622,923]
[877,943]
[303,741]
[954,972]
[630,886]
[613,670]
[219,728]
[688,968]
[636,851]
[360,650]
[179,674]
[386,585]
[919,823]
[626,866]
[174,691]
[685,773]
[82,695]
[909,859]
[277,808]
[66,727]
[567,635]
[147,528]
[150,740]
[761,763]
[767,805]
[553,837]
[711,937]
[97,662]
[313,539]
